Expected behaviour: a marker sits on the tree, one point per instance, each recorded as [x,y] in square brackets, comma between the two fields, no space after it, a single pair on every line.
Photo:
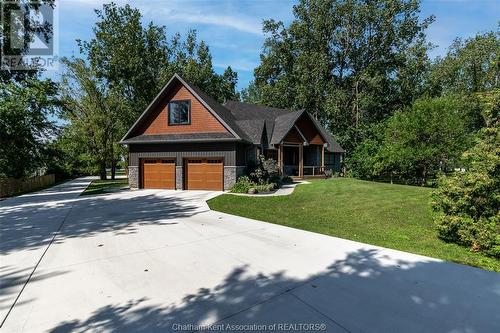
[470,66]
[360,163]
[350,63]
[93,110]
[25,127]
[467,202]
[425,139]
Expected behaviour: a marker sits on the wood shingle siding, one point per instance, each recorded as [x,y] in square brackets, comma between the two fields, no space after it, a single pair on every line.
[293,137]
[202,121]
[308,129]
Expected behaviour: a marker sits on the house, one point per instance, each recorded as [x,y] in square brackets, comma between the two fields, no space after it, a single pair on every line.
[187,140]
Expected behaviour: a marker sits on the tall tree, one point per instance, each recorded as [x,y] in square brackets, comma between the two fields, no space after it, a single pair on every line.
[25,127]
[427,138]
[467,202]
[93,110]
[470,66]
[350,63]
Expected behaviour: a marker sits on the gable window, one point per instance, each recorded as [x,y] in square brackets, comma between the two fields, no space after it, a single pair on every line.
[179,112]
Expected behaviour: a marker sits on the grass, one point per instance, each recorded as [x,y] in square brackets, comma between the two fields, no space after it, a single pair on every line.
[392,216]
[120,172]
[102,186]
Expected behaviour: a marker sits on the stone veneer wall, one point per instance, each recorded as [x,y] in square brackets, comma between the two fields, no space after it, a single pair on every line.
[133,177]
[231,173]
[229,176]
[178,177]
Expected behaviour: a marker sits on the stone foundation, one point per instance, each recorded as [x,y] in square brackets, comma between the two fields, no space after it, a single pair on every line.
[133,177]
[178,177]
[229,176]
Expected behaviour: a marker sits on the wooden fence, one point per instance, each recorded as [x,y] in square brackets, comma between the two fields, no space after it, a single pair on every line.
[10,187]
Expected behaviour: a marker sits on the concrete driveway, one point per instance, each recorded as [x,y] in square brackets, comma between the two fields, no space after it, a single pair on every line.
[162,261]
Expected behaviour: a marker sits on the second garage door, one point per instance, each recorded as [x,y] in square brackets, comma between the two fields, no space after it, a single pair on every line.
[158,173]
[204,174]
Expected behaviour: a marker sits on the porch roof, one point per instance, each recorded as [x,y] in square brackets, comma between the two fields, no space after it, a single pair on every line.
[254,119]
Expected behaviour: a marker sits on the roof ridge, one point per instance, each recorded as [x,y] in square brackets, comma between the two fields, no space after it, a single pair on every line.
[258,105]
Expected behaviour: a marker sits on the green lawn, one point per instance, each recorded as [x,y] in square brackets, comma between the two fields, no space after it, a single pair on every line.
[101,186]
[120,172]
[393,216]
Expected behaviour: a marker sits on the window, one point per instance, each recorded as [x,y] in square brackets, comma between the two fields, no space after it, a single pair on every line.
[178,112]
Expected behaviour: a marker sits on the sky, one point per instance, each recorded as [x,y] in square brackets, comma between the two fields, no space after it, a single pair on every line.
[232,28]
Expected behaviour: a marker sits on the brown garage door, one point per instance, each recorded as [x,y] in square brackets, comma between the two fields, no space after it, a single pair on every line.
[204,174]
[158,173]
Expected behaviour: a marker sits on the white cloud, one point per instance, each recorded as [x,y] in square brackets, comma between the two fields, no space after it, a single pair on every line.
[234,22]
[192,12]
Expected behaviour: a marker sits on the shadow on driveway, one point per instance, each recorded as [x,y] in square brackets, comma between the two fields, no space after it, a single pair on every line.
[28,224]
[360,293]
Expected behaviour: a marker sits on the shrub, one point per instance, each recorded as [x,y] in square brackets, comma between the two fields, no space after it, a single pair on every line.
[265,171]
[467,202]
[286,180]
[242,185]
[265,187]
[328,173]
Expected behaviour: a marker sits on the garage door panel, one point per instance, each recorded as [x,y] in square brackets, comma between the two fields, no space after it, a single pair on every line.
[204,174]
[158,173]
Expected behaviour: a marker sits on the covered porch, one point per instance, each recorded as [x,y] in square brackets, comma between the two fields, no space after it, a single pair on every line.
[300,147]
[299,160]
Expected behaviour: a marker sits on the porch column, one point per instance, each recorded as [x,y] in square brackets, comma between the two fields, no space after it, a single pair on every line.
[301,161]
[280,158]
[323,157]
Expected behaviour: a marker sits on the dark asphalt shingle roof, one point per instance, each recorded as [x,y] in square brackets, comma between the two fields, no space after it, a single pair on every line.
[180,137]
[278,121]
[333,145]
[253,128]
[283,124]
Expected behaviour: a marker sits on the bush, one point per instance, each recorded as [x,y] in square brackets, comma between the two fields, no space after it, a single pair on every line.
[286,180]
[242,185]
[265,171]
[265,187]
[328,173]
[467,202]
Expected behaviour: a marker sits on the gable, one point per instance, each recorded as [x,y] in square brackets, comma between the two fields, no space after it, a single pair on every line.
[309,130]
[201,119]
[293,137]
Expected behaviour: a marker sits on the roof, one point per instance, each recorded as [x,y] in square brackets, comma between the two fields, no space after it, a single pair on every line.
[283,124]
[244,122]
[333,145]
[278,122]
[253,128]
[183,137]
